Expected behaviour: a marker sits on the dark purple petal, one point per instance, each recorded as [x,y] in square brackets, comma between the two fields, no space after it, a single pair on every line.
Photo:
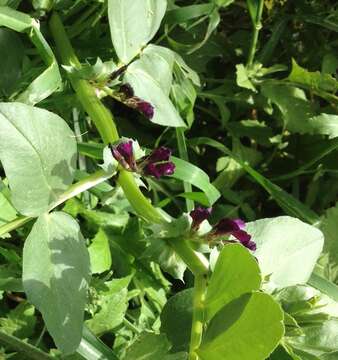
[226,226]
[199,215]
[124,154]
[160,154]
[151,170]
[239,223]
[145,108]
[158,170]
[242,236]
[251,245]
[127,90]
[166,169]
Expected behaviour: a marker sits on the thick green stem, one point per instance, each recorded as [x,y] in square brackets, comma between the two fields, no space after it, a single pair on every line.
[198,315]
[257,26]
[196,262]
[101,116]
[76,189]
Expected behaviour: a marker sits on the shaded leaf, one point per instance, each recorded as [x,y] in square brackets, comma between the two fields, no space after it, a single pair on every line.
[57,283]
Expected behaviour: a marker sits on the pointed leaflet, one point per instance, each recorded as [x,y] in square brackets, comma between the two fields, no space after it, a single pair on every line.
[56,272]
[133,24]
[37,151]
[151,78]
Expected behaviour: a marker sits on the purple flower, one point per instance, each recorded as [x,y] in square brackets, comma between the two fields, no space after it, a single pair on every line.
[157,164]
[235,228]
[198,215]
[127,90]
[158,170]
[127,96]
[145,108]
[124,154]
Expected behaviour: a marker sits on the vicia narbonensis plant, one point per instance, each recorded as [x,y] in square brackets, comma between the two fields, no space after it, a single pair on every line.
[96,240]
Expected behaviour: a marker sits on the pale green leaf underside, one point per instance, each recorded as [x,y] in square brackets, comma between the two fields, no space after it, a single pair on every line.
[287,249]
[56,272]
[151,78]
[133,24]
[37,151]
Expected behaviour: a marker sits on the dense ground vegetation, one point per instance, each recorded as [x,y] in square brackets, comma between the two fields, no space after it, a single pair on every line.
[169,179]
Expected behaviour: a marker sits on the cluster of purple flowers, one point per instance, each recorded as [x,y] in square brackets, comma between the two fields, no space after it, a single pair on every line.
[224,227]
[156,164]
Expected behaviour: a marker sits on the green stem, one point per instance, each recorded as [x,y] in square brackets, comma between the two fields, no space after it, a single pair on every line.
[196,262]
[137,200]
[104,122]
[257,26]
[77,188]
[30,351]
[198,315]
[101,116]
[15,224]
[183,151]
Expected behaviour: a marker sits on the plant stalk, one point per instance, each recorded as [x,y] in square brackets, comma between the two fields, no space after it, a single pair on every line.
[198,315]
[257,26]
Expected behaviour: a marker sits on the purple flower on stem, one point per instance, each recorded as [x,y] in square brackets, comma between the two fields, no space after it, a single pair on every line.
[198,215]
[135,102]
[124,154]
[157,164]
[235,228]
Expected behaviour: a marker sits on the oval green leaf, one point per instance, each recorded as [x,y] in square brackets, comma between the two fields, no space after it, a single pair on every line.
[133,24]
[248,328]
[37,151]
[56,272]
[236,273]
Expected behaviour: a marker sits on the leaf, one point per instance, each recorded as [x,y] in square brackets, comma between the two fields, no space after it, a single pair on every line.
[253,6]
[162,253]
[298,113]
[50,79]
[192,174]
[318,339]
[314,79]
[248,328]
[133,24]
[37,151]
[20,321]
[113,303]
[99,253]
[243,78]
[287,249]
[149,346]
[92,348]
[151,77]
[177,314]
[235,274]
[329,226]
[57,283]
[11,61]
[7,212]
[287,202]
[185,13]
